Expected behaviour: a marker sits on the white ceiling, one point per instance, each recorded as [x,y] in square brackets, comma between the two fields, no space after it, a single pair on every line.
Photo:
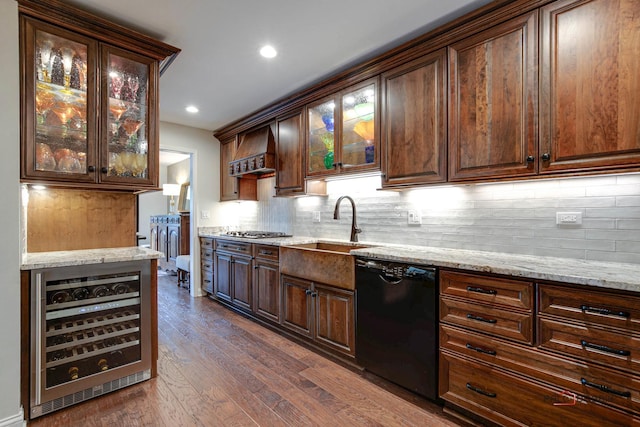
[219,69]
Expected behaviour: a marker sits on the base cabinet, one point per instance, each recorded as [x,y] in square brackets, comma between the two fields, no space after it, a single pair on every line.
[266,282]
[322,313]
[571,362]
[206,264]
[169,234]
[511,400]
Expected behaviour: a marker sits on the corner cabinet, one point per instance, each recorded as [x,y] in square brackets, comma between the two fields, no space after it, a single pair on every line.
[89,100]
[589,104]
[342,132]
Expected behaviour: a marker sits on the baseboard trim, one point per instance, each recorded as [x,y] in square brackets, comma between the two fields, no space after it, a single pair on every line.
[16,420]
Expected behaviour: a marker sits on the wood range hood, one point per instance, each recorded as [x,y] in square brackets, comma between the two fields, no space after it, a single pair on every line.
[256,153]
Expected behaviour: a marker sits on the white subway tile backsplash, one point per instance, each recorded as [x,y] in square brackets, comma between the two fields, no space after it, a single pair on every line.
[516,217]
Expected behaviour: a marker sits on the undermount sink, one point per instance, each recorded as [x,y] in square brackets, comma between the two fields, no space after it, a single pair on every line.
[328,263]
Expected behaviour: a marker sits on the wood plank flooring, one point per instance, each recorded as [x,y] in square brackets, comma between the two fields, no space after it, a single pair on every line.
[217,368]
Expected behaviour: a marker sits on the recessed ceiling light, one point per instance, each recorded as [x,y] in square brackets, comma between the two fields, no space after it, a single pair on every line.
[268,51]
[192,109]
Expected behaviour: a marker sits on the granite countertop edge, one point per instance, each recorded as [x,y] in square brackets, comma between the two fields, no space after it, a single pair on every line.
[38,260]
[610,275]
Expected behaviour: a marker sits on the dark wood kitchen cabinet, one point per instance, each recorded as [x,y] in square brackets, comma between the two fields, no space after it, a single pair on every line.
[493,102]
[233,273]
[290,155]
[324,314]
[589,103]
[170,234]
[266,282]
[206,264]
[90,99]
[232,187]
[414,122]
[572,361]
[343,132]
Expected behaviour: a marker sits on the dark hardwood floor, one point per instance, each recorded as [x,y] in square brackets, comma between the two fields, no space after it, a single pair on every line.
[217,368]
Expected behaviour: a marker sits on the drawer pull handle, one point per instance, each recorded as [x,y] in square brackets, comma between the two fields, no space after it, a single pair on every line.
[605,311]
[481,319]
[207,281]
[605,348]
[480,391]
[605,388]
[482,291]
[481,350]
[266,253]
[207,266]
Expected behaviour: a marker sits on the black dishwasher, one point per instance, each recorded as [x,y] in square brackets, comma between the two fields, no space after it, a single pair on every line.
[397,323]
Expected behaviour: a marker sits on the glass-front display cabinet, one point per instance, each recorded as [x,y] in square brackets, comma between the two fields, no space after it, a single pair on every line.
[88,106]
[342,132]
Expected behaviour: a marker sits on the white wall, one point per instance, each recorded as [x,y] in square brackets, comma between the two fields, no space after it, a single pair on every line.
[10,411]
[205,182]
[151,203]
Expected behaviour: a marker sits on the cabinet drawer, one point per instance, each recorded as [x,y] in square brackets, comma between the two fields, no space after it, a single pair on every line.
[266,252]
[207,281]
[513,401]
[484,318]
[587,379]
[206,264]
[591,343]
[621,311]
[510,293]
[233,247]
[206,244]
[206,254]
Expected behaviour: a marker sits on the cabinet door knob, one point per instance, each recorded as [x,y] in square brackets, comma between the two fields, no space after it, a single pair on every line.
[91,168]
[546,157]
[530,159]
[308,292]
[104,169]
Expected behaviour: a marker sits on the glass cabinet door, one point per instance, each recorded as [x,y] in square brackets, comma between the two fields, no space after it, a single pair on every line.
[126,80]
[60,120]
[321,121]
[343,132]
[358,127]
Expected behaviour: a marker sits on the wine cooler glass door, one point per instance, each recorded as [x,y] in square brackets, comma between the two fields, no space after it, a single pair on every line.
[91,326]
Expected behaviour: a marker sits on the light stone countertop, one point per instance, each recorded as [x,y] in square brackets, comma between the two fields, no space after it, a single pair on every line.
[623,276]
[566,270]
[36,260]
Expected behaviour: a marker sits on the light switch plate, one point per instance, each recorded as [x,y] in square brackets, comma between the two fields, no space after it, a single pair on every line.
[205,214]
[316,216]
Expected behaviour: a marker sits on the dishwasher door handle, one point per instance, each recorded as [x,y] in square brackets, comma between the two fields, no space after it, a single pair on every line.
[391,282]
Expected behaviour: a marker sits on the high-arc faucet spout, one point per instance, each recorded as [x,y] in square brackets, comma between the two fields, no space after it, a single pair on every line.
[354,227]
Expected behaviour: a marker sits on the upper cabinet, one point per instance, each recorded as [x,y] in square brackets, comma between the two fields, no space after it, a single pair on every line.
[589,103]
[414,122]
[89,103]
[342,134]
[514,90]
[232,187]
[492,102]
[290,155]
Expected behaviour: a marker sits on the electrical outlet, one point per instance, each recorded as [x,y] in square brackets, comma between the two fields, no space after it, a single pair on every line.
[316,216]
[205,214]
[568,218]
[414,218]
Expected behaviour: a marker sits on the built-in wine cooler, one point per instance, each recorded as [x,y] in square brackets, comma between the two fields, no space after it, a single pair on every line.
[90,332]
